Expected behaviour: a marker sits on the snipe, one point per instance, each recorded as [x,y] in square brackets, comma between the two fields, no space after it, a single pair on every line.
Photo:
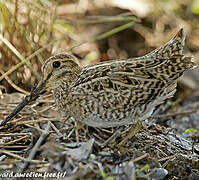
[113,93]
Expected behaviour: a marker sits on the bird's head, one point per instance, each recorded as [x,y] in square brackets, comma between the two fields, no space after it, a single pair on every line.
[57,70]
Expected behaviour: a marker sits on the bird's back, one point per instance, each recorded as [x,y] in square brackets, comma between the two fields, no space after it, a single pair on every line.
[121,92]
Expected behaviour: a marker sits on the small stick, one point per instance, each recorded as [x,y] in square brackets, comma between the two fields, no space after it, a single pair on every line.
[13,84]
[19,157]
[55,129]
[14,141]
[35,148]
[176,114]
[14,134]
[140,157]
[115,134]
[76,132]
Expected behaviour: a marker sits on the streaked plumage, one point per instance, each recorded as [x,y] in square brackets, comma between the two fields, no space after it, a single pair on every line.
[116,92]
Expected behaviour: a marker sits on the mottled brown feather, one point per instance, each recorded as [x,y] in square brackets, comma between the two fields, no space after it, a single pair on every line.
[117,92]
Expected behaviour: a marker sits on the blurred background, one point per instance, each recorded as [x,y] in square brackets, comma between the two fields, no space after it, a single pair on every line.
[92,30]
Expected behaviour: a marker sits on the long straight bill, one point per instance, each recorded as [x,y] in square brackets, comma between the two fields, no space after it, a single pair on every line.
[33,96]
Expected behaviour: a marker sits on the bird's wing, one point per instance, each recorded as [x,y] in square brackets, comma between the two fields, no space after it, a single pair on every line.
[131,71]
[139,81]
[119,83]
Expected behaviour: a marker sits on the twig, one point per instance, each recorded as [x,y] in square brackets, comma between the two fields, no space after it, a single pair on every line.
[36,121]
[115,134]
[14,141]
[102,19]
[35,149]
[140,157]
[175,114]
[161,151]
[13,147]
[170,158]
[106,34]
[14,50]
[13,85]
[14,134]
[77,132]
[19,157]
[165,158]
[114,31]
[55,129]
[27,59]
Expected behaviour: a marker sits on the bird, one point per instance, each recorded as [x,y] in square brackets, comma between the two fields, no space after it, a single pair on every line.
[116,92]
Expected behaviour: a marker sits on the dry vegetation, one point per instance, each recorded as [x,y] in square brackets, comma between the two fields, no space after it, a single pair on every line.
[38,140]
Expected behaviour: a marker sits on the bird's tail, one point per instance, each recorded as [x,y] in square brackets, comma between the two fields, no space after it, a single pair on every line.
[173,68]
[168,62]
[174,47]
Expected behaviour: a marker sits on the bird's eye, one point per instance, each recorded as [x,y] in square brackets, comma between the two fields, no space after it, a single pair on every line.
[56,64]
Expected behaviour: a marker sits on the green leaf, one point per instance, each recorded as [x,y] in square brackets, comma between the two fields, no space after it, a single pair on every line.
[146,167]
[195,7]
[110,178]
[102,173]
[191,130]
